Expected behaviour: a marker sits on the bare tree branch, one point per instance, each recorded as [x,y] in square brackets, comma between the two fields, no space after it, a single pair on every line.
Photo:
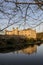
[18,7]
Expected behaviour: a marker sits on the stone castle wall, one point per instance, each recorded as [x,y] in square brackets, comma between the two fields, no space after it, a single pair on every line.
[26,32]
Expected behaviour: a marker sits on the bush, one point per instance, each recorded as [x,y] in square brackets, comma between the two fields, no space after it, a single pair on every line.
[11,41]
[32,41]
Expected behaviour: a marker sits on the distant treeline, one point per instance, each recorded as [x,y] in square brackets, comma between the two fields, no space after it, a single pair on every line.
[40,35]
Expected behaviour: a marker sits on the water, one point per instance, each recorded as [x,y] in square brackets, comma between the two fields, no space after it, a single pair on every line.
[28,56]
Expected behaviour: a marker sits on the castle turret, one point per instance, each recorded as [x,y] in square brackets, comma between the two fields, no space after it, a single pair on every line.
[17,31]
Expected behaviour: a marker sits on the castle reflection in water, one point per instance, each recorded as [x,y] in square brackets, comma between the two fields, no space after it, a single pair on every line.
[28,50]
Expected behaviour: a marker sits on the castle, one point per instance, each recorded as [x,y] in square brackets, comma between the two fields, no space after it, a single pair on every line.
[29,33]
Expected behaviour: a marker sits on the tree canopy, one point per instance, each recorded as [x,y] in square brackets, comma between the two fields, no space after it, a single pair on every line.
[23,13]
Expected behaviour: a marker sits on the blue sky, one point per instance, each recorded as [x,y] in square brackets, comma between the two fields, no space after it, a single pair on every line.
[32,19]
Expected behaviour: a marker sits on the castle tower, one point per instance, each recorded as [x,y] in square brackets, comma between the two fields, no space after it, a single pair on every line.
[13,31]
[17,31]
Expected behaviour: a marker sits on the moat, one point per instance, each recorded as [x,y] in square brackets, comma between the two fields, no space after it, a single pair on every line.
[32,55]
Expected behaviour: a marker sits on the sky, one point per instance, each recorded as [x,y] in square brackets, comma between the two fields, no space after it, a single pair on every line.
[33,18]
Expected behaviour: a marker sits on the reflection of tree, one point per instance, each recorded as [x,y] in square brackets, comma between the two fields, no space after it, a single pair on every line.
[10,10]
[28,50]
